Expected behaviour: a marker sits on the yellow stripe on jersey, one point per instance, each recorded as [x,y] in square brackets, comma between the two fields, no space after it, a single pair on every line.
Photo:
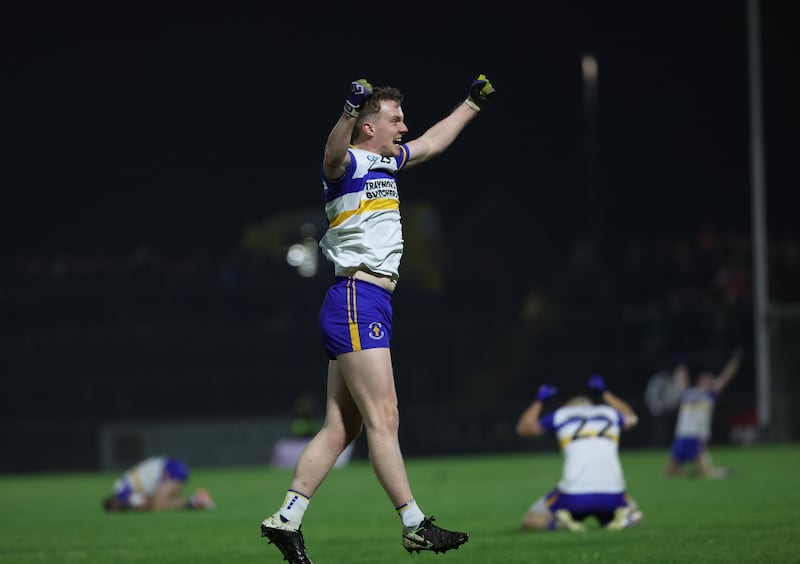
[588,435]
[379,204]
[136,481]
[352,314]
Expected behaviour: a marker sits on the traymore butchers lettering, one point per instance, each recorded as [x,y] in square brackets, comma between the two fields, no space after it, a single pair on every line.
[380,188]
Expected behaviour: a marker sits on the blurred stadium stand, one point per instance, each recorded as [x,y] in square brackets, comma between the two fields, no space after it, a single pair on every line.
[90,343]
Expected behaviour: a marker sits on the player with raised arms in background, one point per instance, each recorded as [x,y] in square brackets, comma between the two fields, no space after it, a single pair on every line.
[693,428]
[588,428]
[363,155]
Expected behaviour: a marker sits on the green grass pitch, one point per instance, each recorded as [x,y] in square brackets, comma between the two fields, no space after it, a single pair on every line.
[751,517]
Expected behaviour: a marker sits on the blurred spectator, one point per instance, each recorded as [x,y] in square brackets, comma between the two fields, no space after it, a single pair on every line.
[662,396]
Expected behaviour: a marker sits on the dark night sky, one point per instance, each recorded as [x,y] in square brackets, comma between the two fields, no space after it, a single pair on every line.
[178,127]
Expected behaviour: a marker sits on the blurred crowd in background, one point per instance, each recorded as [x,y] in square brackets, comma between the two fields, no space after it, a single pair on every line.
[624,307]
[216,334]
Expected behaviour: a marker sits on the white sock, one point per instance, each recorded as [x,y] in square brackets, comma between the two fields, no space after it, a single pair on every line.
[411,514]
[293,508]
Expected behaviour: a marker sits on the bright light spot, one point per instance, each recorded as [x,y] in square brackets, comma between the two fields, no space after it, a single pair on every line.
[304,256]
[296,255]
[589,67]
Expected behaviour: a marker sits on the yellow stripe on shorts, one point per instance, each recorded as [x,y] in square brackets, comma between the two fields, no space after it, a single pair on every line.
[352,314]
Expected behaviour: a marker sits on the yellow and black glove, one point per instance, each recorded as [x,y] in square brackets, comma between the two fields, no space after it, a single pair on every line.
[480,93]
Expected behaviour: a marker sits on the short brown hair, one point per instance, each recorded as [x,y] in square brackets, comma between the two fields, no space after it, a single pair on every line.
[372,105]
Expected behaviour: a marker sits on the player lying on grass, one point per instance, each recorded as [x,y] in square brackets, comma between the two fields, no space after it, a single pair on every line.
[155,484]
[588,427]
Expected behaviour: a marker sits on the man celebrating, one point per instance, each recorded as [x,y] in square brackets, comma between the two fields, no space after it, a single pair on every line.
[363,155]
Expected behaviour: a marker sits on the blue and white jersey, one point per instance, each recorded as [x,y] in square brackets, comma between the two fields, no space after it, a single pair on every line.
[141,480]
[363,209]
[139,483]
[694,416]
[588,436]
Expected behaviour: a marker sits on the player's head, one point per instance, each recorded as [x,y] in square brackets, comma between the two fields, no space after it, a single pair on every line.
[380,123]
[579,396]
[372,104]
[582,395]
[578,399]
[705,380]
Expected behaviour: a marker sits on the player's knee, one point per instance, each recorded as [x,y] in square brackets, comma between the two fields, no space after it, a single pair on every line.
[535,522]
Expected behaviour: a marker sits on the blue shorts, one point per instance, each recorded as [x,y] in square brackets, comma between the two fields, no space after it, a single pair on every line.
[687,449]
[355,315]
[599,505]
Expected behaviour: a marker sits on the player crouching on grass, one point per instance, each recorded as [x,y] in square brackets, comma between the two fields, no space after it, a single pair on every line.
[592,484]
[155,484]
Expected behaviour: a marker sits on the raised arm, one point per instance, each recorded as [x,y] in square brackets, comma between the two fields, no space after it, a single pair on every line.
[630,419]
[728,372]
[442,134]
[336,158]
[528,423]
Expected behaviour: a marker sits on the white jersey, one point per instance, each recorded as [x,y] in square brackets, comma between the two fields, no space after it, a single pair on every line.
[363,209]
[588,436]
[142,480]
[694,416]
